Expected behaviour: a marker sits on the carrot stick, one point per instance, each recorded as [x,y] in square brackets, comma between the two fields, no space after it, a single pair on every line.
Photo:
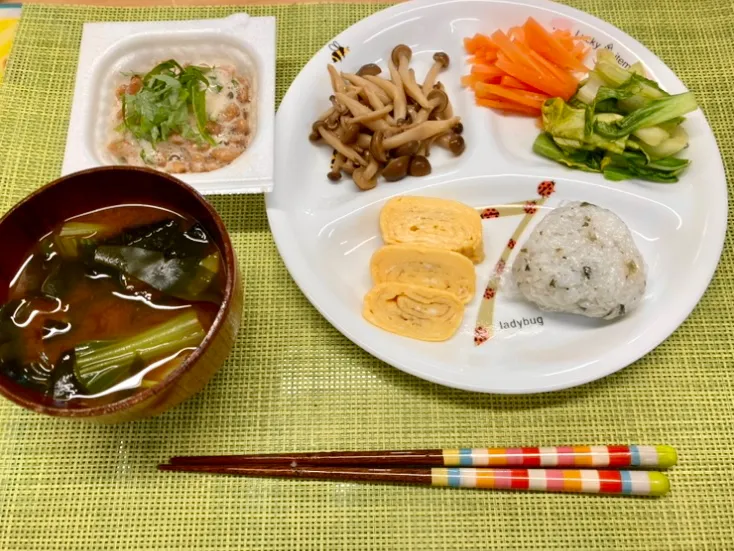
[565,80]
[529,77]
[468,81]
[548,46]
[516,33]
[490,56]
[512,82]
[509,48]
[518,96]
[569,83]
[519,69]
[470,45]
[519,53]
[508,106]
[580,50]
[482,71]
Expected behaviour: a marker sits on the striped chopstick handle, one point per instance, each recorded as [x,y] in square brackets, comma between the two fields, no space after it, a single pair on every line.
[660,457]
[589,481]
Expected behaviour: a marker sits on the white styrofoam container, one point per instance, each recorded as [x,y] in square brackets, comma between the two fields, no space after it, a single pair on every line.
[107,49]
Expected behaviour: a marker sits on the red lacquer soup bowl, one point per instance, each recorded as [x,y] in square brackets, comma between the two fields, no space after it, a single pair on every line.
[42,211]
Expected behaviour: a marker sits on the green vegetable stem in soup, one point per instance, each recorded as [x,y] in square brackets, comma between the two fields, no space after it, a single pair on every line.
[182,119]
[110,303]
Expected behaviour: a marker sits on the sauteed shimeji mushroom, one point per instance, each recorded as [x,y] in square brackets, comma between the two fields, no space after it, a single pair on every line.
[385,125]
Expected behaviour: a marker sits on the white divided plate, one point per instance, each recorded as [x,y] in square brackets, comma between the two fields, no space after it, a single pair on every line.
[326,232]
[109,49]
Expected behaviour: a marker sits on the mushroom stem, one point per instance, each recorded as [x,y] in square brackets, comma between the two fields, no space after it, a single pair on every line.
[412,89]
[358,109]
[431,78]
[403,54]
[335,173]
[371,170]
[337,109]
[419,132]
[449,111]
[345,150]
[422,116]
[323,116]
[366,177]
[374,99]
[367,85]
[373,116]
[386,86]
[440,61]
[424,148]
[337,82]
[437,102]
[401,102]
[412,77]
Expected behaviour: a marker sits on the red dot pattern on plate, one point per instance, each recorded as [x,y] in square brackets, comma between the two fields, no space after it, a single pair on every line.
[481,335]
[490,213]
[531,207]
[500,267]
[489,293]
[546,188]
[511,244]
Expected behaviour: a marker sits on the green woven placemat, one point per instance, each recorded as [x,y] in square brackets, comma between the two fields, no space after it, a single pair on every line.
[294,383]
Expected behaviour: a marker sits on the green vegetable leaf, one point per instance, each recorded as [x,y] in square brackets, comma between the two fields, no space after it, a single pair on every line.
[588,161]
[656,112]
[563,121]
[164,106]
[199,107]
[168,80]
[636,165]
[619,123]
[98,365]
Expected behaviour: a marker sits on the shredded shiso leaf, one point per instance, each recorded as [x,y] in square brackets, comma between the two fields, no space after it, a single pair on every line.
[169,94]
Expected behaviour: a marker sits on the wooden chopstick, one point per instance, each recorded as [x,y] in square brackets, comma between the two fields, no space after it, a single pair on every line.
[613,457]
[619,482]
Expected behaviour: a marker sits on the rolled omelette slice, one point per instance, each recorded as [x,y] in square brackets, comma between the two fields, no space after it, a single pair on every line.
[413,311]
[434,222]
[425,266]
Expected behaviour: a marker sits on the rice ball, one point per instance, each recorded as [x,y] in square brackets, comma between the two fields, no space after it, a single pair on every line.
[581,259]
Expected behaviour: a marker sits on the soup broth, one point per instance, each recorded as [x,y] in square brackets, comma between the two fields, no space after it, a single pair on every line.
[110,303]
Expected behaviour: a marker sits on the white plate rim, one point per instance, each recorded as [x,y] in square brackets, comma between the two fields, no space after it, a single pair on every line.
[705,269]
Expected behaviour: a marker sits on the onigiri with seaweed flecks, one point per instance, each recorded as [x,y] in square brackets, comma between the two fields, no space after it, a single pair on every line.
[581,259]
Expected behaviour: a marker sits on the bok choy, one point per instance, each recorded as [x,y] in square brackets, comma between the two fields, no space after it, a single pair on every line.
[619,123]
[98,365]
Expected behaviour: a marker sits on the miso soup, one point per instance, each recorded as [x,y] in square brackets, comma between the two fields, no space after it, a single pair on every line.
[109,303]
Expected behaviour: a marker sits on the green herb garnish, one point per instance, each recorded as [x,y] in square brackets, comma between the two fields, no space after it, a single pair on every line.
[162,106]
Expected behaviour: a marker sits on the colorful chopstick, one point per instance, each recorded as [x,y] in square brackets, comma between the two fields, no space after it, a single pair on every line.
[649,457]
[591,481]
